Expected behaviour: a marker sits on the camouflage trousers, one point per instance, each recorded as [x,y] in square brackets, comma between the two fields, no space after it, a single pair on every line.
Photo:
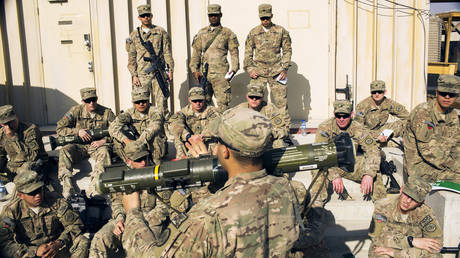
[432,174]
[279,93]
[79,248]
[158,99]
[220,87]
[105,243]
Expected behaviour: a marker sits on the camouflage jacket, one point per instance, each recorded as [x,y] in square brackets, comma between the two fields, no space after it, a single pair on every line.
[267,53]
[362,139]
[375,117]
[79,118]
[390,229]
[147,125]
[136,52]
[25,146]
[196,121]
[22,231]
[432,138]
[216,54]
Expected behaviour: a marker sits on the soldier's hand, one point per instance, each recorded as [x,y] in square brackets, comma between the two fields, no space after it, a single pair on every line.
[131,201]
[54,247]
[429,244]
[127,140]
[197,75]
[283,75]
[42,249]
[96,144]
[7,130]
[136,81]
[337,185]
[84,135]
[253,74]
[367,184]
[119,228]
[379,250]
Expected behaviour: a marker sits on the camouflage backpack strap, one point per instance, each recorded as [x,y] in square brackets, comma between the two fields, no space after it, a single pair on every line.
[209,43]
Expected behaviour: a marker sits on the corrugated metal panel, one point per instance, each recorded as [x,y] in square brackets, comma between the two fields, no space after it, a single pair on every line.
[434,40]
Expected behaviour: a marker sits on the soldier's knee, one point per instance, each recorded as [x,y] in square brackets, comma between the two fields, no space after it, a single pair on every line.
[80,247]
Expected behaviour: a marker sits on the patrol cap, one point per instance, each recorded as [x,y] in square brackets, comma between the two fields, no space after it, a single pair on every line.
[416,188]
[449,83]
[243,130]
[265,10]
[135,151]
[144,9]
[377,85]
[27,181]
[196,93]
[214,9]
[255,90]
[6,114]
[140,93]
[343,106]
[87,93]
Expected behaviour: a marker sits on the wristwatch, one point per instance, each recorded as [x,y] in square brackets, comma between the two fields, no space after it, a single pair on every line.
[409,240]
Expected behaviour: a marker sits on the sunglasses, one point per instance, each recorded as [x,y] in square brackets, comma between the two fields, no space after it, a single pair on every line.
[145,15]
[445,94]
[254,97]
[198,100]
[37,191]
[377,91]
[87,101]
[265,18]
[219,140]
[213,15]
[141,102]
[343,116]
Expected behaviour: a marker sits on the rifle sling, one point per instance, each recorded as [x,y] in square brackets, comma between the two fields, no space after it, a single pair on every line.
[144,44]
[209,43]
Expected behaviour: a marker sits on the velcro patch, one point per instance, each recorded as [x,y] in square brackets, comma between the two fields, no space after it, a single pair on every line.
[69,116]
[430,227]
[380,217]
[430,124]
[359,113]
[8,222]
[425,221]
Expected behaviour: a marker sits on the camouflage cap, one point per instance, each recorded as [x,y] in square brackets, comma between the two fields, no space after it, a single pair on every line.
[196,93]
[135,151]
[265,10]
[87,93]
[140,93]
[144,9]
[343,106]
[243,130]
[416,188]
[449,83]
[377,85]
[7,114]
[27,181]
[255,90]
[214,9]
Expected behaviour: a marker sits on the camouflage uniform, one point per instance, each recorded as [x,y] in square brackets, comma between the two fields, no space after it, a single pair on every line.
[197,122]
[280,130]
[216,57]
[79,118]
[263,55]
[432,139]
[149,125]
[22,230]
[375,117]
[258,215]
[389,228]
[21,150]
[136,53]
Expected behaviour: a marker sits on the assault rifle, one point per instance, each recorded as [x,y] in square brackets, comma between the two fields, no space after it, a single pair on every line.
[91,210]
[204,79]
[95,134]
[388,168]
[130,131]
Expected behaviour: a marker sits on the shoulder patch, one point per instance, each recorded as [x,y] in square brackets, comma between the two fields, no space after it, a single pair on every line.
[369,141]
[324,134]
[69,216]
[380,217]
[277,121]
[430,227]
[359,113]
[69,116]
[9,223]
[430,124]
[425,221]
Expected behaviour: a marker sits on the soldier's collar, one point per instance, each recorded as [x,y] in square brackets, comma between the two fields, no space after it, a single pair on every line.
[246,177]
[210,28]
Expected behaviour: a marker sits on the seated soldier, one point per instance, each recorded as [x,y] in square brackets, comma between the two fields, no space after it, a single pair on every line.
[79,119]
[143,123]
[375,110]
[20,144]
[40,223]
[403,226]
[191,121]
[255,101]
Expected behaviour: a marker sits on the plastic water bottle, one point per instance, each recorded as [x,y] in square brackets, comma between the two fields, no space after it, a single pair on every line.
[303,128]
[3,191]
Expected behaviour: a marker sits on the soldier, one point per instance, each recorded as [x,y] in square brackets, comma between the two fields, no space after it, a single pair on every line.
[20,144]
[136,53]
[210,46]
[255,101]
[374,111]
[403,226]
[148,123]
[88,115]
[258,213]
[40,223]
[431,140]
[267,56]
[191,121]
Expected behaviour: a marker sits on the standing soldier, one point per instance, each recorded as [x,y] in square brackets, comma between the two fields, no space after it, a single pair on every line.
[432,137]
[267,56]
[87,116]
[147,122]
[255,101]
[210,46]
[191,121]
[375,110]
[137,52]
[20,144]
